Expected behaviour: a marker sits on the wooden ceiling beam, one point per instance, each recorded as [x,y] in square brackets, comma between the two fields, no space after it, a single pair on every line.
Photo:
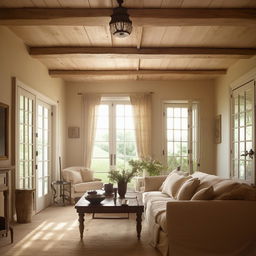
[145,53]
[139,17]
[97,73]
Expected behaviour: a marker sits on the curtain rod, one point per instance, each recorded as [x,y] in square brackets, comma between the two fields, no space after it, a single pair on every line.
[111,93]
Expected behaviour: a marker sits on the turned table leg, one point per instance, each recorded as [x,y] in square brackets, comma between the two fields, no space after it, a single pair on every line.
[138,226]
[81,224]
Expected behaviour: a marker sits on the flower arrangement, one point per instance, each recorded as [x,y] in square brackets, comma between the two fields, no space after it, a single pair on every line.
[152,167]
[123,176]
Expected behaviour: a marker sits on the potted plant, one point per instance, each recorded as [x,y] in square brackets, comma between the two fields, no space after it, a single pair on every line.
[148,165]
[122,177]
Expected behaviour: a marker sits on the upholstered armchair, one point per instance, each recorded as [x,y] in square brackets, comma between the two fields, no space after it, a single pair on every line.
[81,180]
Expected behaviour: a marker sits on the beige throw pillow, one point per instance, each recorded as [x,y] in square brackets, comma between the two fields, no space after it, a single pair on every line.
[177,171]
[87,175]
[204,194]
[173,183]
[224,186]
[241,192]
[75,177]
[188,189]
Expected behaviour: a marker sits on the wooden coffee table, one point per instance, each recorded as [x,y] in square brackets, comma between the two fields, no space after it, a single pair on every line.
[111,205]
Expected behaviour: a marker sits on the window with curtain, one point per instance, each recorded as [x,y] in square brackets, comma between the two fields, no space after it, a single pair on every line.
[115,141]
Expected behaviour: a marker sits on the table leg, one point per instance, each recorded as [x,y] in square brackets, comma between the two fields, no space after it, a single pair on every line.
[81,224]
[138,226]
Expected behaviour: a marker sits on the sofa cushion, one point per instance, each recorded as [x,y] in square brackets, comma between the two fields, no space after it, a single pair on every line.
[87,175]
[206,180]
[152,183]
[204,194]
[224,186]
[177,171]
[173,183]
[83,187]
[158,195]
[187,189]
[240,192]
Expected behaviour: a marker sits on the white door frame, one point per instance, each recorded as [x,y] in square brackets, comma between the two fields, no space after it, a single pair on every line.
[55,128]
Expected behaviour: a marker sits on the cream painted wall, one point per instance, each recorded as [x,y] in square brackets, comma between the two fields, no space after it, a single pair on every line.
[15,62]
[222,100]
[202,90]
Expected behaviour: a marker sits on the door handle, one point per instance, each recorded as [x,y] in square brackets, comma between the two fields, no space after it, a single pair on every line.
[111,159]
[251,153]
[246,153]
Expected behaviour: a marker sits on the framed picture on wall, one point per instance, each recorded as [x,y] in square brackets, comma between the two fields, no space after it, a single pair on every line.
[218,129]
[4,112]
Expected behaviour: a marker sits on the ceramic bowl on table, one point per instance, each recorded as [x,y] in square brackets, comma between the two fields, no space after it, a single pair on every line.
[95,198]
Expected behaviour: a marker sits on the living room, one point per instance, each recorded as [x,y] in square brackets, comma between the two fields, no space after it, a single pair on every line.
[198,57]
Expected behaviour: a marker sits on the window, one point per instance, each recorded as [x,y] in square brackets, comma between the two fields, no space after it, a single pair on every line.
[115,143]
[181,136]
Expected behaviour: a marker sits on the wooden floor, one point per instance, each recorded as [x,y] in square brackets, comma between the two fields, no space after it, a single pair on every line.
[54,231]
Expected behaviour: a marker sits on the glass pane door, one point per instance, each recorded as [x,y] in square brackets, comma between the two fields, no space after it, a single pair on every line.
[26,125]
[101,150]
[181,122]
[115,143]
[243,133]
[125,142]
[43,154]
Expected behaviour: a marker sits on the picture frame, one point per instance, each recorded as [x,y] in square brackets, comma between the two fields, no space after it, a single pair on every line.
[218,129]
[73,132]
[4,131]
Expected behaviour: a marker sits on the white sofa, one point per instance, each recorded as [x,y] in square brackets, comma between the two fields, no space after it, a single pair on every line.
[81,180]
[202,227]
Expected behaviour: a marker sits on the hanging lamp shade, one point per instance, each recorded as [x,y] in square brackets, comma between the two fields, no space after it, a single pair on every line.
[120,24]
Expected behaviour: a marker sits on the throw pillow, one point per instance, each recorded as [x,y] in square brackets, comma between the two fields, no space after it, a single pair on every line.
[75,177]
[241,192]
[188,189]
[204,194]
[173,183]
[177,171]
[224,187]
[87,175]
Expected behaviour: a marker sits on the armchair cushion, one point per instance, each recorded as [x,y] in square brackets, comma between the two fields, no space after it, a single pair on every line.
[72,176]
[87,175]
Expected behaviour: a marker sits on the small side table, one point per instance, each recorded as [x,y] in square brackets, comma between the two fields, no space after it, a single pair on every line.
[64,191]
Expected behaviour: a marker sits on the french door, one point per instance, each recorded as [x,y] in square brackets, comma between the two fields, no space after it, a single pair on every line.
[25,176]
[181,146]
[115,143]
[43,154]
[243,133]
[33,146]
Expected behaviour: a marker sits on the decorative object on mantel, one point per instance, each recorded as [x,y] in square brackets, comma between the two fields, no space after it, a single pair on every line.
[122,178]
[73,132]
[218,129]
[120,24]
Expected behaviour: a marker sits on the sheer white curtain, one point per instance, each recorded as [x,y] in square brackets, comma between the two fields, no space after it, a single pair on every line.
[142,109]
[91,103]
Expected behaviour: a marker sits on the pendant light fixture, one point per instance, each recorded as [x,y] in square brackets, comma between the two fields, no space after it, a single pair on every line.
[120,24]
